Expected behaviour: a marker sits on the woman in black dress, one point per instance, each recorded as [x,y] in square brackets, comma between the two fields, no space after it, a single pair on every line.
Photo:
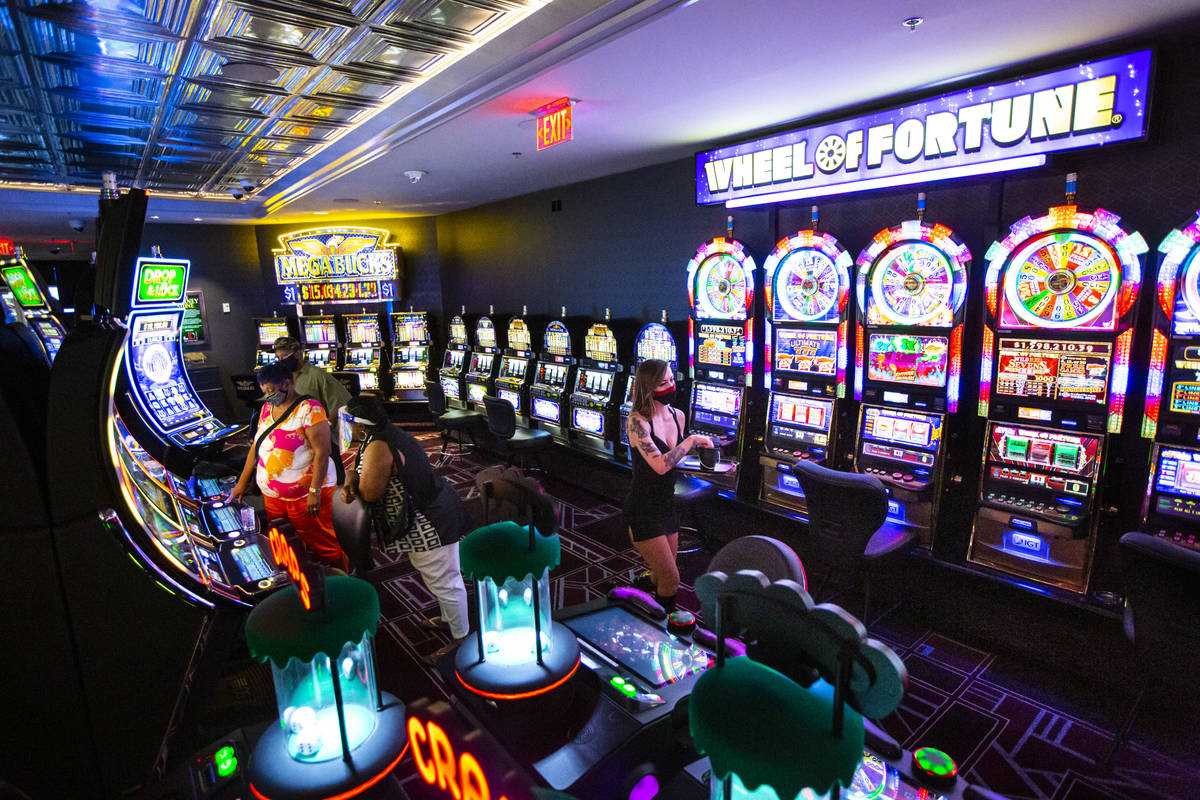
[656,445]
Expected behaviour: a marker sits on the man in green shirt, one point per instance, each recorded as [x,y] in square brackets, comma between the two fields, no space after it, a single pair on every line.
[312,381]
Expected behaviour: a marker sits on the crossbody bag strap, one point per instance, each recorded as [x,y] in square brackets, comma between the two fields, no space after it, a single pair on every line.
[263,436]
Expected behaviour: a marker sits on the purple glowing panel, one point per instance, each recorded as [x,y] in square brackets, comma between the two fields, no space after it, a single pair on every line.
[1100,102]
[645,789]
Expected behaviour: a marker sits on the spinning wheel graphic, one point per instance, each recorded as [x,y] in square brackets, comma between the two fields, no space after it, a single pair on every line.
[1062,280]
[914,283]
[722,287]
[156,364]
[807,285]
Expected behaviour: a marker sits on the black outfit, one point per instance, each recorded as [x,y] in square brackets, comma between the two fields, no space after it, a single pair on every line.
[429,492]
[650,507]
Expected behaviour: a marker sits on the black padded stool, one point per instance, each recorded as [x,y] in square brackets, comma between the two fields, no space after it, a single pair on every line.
[456,421]
[513,442]
[352,526]
[847,534]
[692,495]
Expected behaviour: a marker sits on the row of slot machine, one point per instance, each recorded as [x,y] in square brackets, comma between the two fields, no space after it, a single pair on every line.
[389,354]
[878,340]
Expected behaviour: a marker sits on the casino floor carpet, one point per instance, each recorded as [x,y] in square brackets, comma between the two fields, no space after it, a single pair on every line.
[1026,733]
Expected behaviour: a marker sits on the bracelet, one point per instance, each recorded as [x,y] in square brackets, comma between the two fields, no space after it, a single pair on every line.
[314,491]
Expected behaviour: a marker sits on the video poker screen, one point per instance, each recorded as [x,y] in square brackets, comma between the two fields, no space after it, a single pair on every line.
[908,358]
[810,351]
[649,652]
[409,327]
[363,329]
[271,329]
[721,345]
[157,372]
[716,405]
[319,330]
[1053,370]
[909,428]
[585,419]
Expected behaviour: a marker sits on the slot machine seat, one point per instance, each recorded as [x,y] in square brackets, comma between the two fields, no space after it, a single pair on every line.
[352,526]
[771,557]
[692,497]
[513,442]
[351,380]
[451,421]
[1162,606]
[846,533]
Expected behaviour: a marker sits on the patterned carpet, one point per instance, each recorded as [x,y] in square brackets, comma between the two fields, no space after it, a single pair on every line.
[1005,723]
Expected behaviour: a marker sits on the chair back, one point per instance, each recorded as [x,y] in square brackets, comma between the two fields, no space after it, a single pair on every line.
[1162,584]
[352,526]
[351,380]
[437,398]
[245,386]
[501,417]
[771,557]
[844,510]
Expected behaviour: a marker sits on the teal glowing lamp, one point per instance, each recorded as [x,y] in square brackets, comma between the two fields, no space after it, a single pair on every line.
[338,734]
[518,651]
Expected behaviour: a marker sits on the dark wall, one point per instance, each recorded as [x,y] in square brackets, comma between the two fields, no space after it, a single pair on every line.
[621,242]
[225,267]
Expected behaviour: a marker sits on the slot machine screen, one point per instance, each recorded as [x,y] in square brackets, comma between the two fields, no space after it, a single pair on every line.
[716,405]
[1051,370]
[481,363]
[409,328]
[553,375]
[363,329]
[50,335]
[585,419]
[208,488]
[519,338]
[655,341]
[1038,449]
[1185,380]
[320,358]
[656,656]
[409,380]
[450,388]
[368,381]
[458,331]
[1177,480]
[361,357]
[801,412]
[594,381]
[475,392]
[513,367]
[600,344]
[908,358]
[319,331]
[412,357]
[512,397]
[263,358]
[225,519]
[485,334]
[721,345]
[271,329]
[157,374]
[557,340]
[545,409]
[809,351]
[906,428]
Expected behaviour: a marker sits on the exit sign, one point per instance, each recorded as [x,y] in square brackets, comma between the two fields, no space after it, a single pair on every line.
[8,247]
[554,124]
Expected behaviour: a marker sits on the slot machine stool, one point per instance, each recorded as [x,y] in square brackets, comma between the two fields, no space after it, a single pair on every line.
[693,497]
[338,733]
[450,421]
[846,530]
[514,443]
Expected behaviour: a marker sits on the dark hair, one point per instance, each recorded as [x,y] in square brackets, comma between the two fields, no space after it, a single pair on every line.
[367,406]
[289,343]
[275,372]
[645,381]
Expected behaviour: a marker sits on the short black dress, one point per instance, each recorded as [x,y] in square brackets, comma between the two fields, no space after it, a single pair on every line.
[650,507]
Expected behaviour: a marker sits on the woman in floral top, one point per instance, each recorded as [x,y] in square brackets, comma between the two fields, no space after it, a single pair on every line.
[293,470]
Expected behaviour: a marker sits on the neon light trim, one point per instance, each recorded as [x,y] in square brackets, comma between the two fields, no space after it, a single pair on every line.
[843,356]
[955,371]
[349,792]
[519,695]
[859,362]
[985,371]
[1120,381]
[1154,383]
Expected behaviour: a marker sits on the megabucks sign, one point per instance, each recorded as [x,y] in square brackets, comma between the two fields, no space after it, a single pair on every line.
[1099,102]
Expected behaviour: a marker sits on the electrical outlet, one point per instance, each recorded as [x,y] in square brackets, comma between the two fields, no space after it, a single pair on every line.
[225,307]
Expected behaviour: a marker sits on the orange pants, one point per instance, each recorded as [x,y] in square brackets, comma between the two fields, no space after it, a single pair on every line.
[316,532]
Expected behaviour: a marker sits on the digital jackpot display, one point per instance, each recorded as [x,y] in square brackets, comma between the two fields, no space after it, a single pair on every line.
[721,345]
[810,351]
[908,358]
[1053,370]
[336,265]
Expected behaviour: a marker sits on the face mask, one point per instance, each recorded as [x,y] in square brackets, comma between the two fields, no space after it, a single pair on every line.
[666,396]
[292,363]
[277,398]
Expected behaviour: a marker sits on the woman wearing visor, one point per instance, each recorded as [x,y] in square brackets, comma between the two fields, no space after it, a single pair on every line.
[290,463]
[414,507]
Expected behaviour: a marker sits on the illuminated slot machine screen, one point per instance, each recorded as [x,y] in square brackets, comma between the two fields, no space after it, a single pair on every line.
[600,344]
[485,333]
[319,330]
[263,358]
[553,375]
[800,420]
[908,358]
[655,341]
[906,436]
[717,407]
[409,328]
[50,335]
[589,420]
[1062,279]
[416,357]
[320,358]
[453,360]
[363,329]
[362,358]
[557,340]
[648,651]
[1184,382]
[914,283]
[458,331]
[519,337]
[475,392]
[1177,483]
[481,362]
[813,352]
[450,388]
[271,329]
[409,380]
[513,368]
[1061,462]
[721,345]
[156,373]
[1053,370]
[512,397]
[593,381]
[545,409]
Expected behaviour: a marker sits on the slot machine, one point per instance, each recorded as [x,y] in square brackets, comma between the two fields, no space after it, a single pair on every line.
[321,344]
[410,355]
[1061,296]
[267,330]
[35,302]
[910,291]
[516,367]
[480,379]
[807,286]
[599,385]
[454,361]
[720,281]
[1171,507]
[553,378]
[364,349]
[655,340]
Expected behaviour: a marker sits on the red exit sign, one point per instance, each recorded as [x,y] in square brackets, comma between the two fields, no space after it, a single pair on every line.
[9,248]
[554,124]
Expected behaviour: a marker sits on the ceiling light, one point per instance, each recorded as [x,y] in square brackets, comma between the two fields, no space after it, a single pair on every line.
[320,213]
[154,216]
[415,175]
[912,23]
[197,219]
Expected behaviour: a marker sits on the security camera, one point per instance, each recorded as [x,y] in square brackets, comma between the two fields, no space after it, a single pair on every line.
[55,251]
[237,193]
[415,175]
[76,224]
[247,186]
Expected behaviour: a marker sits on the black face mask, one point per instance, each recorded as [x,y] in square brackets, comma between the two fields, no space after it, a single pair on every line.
[665,397]
[292,363]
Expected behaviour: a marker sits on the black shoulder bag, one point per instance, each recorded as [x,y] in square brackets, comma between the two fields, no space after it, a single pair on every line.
[263,436]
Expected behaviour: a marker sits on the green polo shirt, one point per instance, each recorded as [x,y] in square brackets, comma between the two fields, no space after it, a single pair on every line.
[328,390]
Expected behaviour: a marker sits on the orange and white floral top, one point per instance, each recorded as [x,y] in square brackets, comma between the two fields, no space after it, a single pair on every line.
[285,460]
